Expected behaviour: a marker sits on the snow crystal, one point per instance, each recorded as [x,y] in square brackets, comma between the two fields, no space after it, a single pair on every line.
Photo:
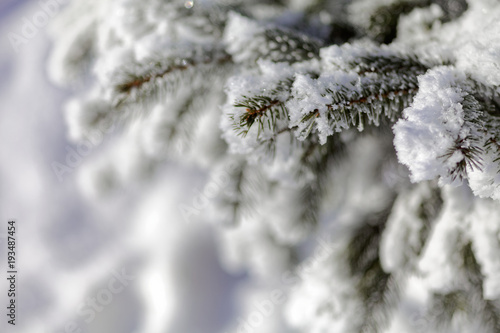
[248,84]
[310,96]
[431,126]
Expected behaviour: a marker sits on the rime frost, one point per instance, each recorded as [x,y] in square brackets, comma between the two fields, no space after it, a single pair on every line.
[431,126]
[374,122]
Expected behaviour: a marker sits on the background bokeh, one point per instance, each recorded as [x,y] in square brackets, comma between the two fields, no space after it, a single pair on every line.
[69,247]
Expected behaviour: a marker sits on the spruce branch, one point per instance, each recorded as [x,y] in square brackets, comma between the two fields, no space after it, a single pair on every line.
[378,290]
[374,97]
[484,133]
[470,153]
[492,144]
[384,86]
[488,310]
[265,109]
[289,46]
[429,210]
[262,110]
[380,20]
[468,300]
[318,160]
[383,64]
[268,42]
[383,22]
[173,125]
[238,202]
[306,104]
[138,82]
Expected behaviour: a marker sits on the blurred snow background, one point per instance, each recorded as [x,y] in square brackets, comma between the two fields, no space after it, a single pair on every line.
[68,247]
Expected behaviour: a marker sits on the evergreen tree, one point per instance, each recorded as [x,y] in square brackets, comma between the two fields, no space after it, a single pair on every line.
[369,123]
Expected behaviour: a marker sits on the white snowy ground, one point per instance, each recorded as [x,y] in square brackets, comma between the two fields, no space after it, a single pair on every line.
[70,250]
